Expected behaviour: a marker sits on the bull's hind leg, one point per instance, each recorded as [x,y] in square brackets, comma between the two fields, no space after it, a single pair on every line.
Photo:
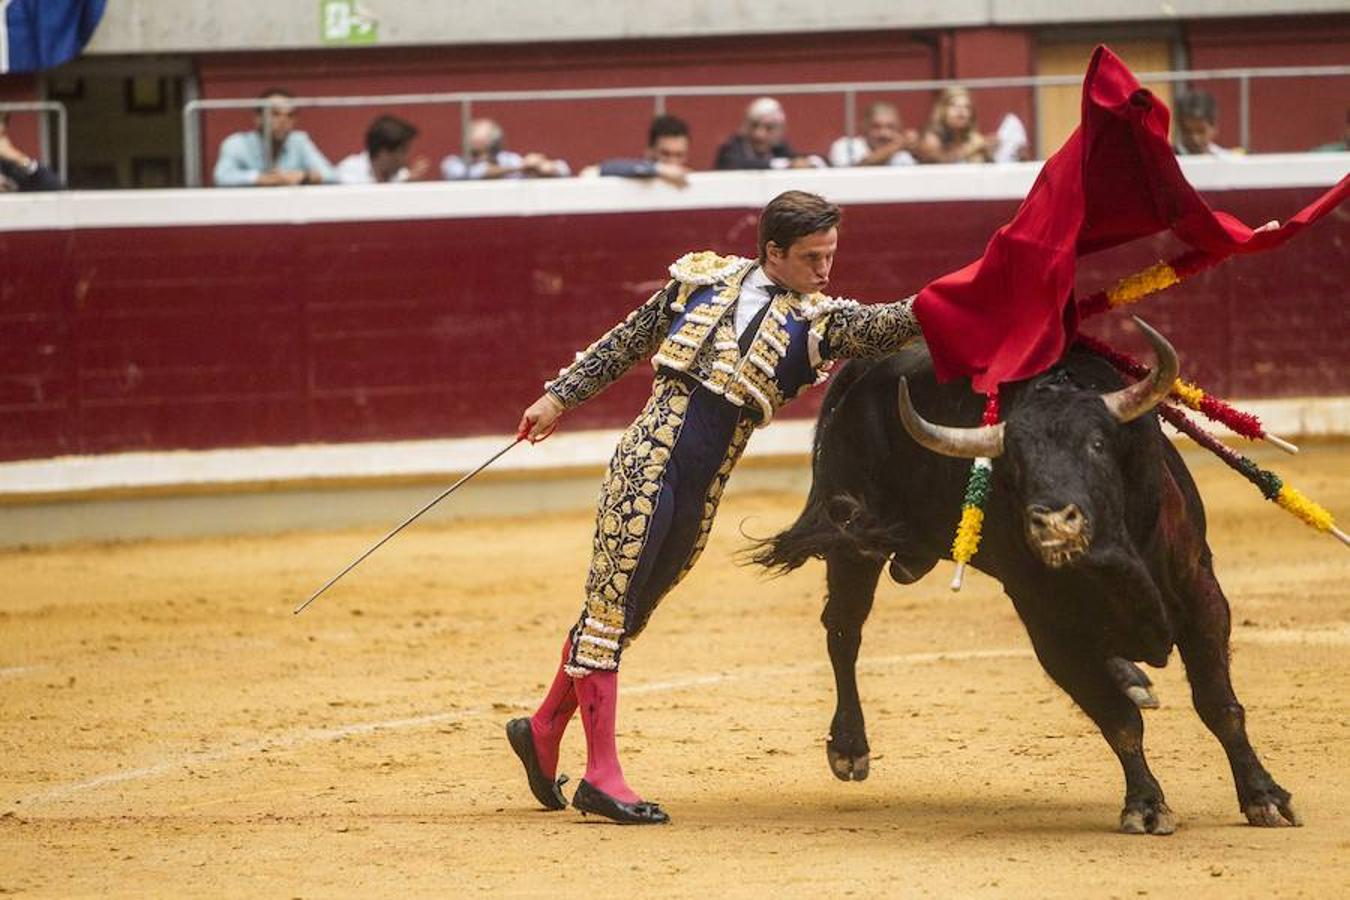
[1093,687]
[852,582]
[1203,642]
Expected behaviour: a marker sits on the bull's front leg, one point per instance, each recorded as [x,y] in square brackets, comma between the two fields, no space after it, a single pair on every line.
[1203,642]
[1086,679]
[852,582]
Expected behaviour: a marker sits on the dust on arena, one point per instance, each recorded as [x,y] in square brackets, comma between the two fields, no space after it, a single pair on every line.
[170,728]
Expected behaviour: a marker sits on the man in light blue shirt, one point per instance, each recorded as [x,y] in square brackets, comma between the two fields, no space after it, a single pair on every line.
[293,159]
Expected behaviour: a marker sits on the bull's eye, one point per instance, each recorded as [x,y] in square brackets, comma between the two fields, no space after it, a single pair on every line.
[1097,444]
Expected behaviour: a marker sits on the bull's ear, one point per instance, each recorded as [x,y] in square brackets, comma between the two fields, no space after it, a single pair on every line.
[1129,403]
[964,443]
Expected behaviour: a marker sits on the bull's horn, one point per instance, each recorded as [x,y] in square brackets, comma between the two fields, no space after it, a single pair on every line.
[967,443]
[1129,403]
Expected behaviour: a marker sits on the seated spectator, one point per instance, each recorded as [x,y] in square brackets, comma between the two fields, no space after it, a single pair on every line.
[1341,146]
[293,158]
[1196,124]
[18,170]
[667,155]
[883,141]
[385,160]
[487,158]
[951,135]
[760,144]
[1011,143]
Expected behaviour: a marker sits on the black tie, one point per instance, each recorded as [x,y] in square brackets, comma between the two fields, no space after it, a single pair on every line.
[748,335]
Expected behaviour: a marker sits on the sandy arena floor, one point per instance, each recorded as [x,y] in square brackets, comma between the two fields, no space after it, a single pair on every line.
[169,728]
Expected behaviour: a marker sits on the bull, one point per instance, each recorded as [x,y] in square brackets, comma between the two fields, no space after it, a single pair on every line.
[1094,527]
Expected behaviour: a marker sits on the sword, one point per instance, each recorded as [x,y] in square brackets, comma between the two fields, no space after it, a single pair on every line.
[408,521]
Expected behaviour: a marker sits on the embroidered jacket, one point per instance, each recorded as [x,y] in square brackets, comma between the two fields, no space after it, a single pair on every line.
[689,327]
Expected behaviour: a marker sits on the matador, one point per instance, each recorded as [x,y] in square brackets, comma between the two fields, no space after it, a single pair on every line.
[731,340]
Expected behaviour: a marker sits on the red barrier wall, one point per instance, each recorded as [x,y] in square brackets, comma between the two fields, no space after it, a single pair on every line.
[139,338]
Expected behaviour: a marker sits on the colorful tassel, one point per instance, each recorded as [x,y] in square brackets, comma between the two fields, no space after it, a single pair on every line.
[1133,288]
[1157,277]
[1294,501]
[1193,396]
[971,527]
[1272,487]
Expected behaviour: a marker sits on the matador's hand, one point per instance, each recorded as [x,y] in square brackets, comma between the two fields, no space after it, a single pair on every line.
[540,419]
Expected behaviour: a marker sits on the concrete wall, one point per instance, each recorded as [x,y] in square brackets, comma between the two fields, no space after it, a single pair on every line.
[154,26]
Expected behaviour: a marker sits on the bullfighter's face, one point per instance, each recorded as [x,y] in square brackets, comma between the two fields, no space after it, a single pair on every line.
[805,265]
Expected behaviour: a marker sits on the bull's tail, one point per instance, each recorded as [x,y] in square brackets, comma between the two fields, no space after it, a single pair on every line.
[838,523]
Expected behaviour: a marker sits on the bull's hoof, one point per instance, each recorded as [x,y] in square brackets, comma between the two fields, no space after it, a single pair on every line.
[1143,697]
[1148,817]
[1132,682]
[847,768]
[1272,813]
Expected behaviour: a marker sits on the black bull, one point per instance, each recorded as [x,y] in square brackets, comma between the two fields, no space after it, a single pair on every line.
[1094,527]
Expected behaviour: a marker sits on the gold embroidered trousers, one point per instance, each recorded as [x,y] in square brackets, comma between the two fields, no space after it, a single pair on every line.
[657,504]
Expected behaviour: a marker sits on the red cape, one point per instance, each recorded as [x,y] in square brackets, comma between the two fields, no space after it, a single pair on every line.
[1009,314]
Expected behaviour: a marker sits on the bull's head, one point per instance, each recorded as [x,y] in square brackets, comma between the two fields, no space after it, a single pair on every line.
[1061,448]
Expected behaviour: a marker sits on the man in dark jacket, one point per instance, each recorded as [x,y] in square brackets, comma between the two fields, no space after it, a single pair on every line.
[760,144]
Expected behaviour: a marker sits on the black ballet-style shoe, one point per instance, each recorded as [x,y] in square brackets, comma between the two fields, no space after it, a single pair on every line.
[589,799]
[548,793]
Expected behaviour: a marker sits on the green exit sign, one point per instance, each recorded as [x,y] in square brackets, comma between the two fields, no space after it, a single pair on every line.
[346,22]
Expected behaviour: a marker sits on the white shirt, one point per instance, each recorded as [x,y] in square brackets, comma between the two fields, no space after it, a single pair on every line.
[455,168]
[850,151]
[754,297]
[356,169]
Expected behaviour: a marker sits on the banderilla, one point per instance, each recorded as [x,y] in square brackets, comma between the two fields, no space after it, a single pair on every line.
[408,521]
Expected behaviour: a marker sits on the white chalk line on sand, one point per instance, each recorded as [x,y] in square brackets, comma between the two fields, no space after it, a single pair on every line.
[1336,635]
[356,729]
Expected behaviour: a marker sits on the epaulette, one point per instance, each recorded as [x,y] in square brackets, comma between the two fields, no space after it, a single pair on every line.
[705,267]
[816,305]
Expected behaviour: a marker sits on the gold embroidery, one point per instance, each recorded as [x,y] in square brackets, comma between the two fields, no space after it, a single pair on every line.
[855,331]
[626,507]
[754,380]
[601,364]
[705,267]
[682,349]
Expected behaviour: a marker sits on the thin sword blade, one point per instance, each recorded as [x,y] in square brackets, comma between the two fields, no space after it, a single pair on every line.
[405,523]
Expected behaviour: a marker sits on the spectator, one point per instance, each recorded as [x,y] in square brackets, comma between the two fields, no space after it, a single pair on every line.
[385,160]
[1011,143]
[19,171]
[951,135]
[1341,146]
[293,158]
[667,155]
[883,142]
[760,143]
[487,158]
[1196,125]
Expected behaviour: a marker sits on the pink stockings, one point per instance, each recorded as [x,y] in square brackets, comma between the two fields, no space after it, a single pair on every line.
[598,697]
[550,720]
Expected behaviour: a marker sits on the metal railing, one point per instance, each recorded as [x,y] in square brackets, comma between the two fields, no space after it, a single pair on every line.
[849,91]
[62,131]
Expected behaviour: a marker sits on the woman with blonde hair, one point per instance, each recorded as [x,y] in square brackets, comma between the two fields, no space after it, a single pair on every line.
[951,135]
